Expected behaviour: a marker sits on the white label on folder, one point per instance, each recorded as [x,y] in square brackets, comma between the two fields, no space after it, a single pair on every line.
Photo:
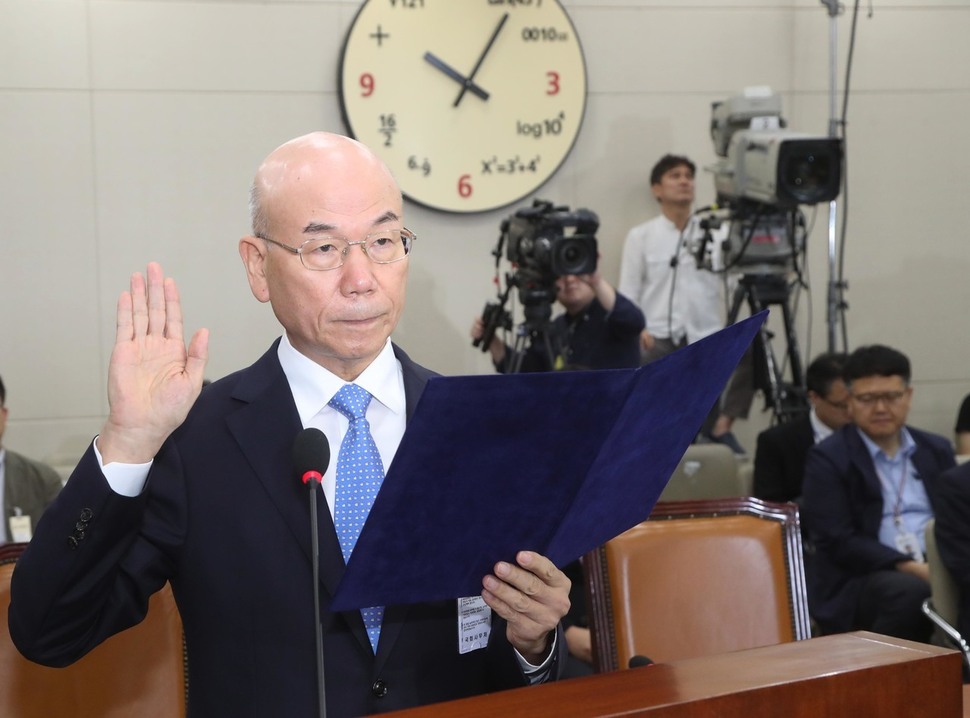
[474,623]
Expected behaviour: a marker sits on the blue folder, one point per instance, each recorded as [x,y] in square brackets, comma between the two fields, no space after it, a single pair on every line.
[556,462]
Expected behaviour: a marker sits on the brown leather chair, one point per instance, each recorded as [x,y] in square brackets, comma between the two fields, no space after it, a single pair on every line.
[139,673]
[698,578]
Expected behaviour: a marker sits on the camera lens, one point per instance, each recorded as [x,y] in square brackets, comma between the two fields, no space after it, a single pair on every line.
[574,255]
[809,170]
[807,173]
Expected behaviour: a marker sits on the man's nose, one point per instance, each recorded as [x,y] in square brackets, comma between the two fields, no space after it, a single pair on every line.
[357,271]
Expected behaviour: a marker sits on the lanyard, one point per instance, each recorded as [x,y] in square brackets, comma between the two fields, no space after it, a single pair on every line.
[898,508]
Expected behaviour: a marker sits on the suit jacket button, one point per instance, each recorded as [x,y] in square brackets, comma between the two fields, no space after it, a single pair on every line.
[86,514]
[72,542]
[379,689]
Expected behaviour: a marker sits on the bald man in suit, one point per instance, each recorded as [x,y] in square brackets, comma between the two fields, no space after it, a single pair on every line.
[198,489]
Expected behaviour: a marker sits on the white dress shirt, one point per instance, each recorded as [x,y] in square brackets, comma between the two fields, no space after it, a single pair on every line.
[677,302]
[313,387]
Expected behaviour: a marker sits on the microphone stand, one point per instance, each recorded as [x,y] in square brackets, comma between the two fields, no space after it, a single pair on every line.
[313,479]
[834,299]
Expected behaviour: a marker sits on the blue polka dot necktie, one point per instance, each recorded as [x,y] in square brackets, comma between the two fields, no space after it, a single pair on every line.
[359,476]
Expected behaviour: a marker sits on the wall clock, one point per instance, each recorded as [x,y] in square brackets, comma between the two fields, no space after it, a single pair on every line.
[473,104]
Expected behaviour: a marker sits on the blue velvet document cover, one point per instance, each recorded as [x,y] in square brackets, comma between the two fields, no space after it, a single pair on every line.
[556,462]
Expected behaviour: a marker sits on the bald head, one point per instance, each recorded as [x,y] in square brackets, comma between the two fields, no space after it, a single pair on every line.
[321,161]
[318,187]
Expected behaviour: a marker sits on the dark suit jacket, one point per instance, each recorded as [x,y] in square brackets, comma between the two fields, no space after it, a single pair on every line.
[779,460]
[28,485]
[842,509]
[953,533]
[227,521]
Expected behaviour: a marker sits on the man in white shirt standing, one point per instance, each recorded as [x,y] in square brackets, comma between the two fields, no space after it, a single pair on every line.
[680,301]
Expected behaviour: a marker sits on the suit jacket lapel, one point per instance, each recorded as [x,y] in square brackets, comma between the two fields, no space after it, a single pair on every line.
[860,457]
[265,429]
[926,465]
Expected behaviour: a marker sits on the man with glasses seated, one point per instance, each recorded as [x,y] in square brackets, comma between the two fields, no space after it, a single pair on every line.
[779,459]
[869,490]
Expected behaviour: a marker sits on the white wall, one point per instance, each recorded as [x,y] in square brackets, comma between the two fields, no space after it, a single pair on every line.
[130,130]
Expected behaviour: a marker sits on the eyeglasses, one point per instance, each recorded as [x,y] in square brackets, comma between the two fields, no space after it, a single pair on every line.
[324,253]
[889,398]
[841,405]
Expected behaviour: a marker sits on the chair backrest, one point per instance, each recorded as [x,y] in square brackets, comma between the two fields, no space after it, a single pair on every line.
[139,672]
[698,578]
[706,471]
[943,587]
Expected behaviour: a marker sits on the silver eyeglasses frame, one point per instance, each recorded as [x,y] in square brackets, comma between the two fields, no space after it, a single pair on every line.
[406,235]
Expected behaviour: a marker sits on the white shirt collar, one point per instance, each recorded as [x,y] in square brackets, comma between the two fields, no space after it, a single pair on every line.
[907,445]
[313,386]
[819,427]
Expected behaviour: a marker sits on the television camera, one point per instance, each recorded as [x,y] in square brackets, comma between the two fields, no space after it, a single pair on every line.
[765,172]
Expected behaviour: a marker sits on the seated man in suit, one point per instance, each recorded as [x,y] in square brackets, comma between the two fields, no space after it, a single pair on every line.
[26,487]
[779,459]
[869,490]
[198,488]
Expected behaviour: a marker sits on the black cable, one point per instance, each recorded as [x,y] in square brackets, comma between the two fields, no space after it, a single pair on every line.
[674,264]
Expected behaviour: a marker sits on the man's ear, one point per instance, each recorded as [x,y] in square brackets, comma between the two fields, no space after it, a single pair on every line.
[253,252]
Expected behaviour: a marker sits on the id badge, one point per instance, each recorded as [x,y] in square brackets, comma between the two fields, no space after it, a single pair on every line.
[907,543]
[474,624]
[20,529]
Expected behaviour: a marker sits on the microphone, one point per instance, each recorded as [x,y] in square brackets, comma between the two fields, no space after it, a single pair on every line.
[638,661]
[311,457]
[714,207]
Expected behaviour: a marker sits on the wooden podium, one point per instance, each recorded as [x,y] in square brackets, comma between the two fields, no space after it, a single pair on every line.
[855,675]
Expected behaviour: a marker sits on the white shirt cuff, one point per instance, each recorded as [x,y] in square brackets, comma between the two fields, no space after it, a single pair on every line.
[125,479]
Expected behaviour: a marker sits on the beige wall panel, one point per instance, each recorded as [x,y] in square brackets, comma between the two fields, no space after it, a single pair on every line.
[645,51]
[219,46]
[45,44]
[49,268]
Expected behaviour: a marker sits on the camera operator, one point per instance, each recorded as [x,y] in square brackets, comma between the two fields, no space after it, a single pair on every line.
[599,329]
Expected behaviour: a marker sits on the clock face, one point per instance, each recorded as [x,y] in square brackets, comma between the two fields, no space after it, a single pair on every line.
[473,104]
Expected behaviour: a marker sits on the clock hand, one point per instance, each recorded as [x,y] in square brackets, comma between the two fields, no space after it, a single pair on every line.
[455,75]
[478,64]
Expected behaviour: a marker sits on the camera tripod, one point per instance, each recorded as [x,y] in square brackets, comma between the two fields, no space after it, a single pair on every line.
[533,332]
[787,400]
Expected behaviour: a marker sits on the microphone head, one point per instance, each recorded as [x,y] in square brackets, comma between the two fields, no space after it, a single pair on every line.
[637,661]
[311,455]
